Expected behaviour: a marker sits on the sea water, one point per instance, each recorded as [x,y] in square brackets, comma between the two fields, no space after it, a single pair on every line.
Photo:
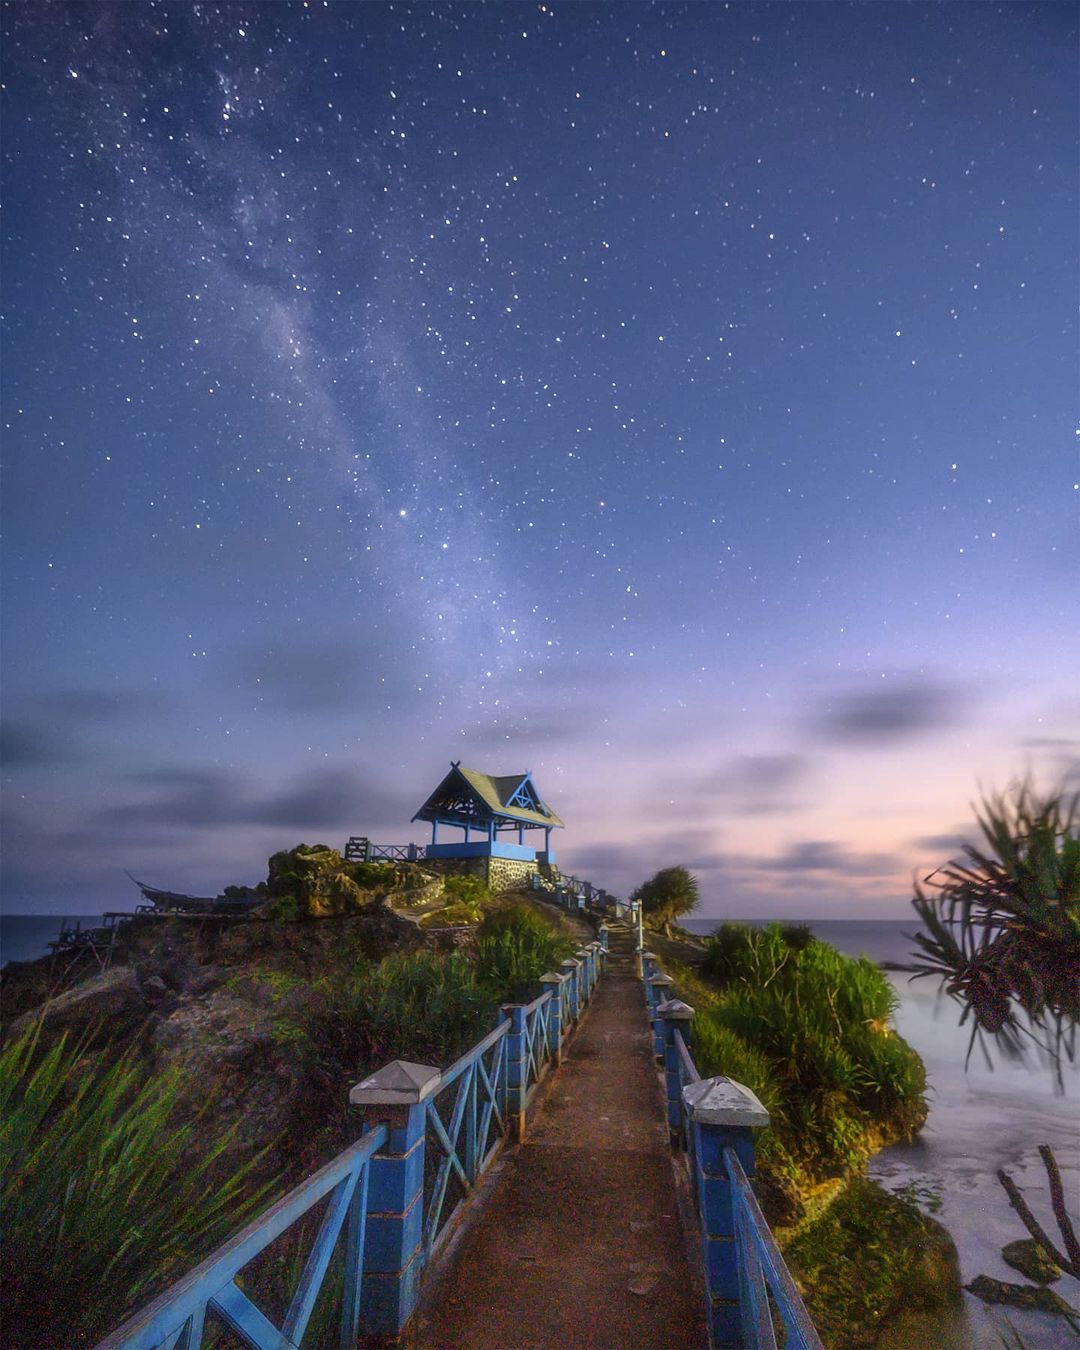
[25,937]
[986,1117]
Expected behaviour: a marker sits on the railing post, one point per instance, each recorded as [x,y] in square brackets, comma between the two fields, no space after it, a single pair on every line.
[723,1114]
[394,1241]
[675,1018]
[594,966]
[650,965]
[658,987]
[584,975]
[605,937]
[570,968]
[516,1069]
[553,983]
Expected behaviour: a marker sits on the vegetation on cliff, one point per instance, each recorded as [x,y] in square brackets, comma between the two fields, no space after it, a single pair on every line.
[809,1030]
[129,1156]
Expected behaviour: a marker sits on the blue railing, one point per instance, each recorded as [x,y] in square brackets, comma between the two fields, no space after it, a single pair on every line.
[392,1199]
[711,1122]
[177,1319]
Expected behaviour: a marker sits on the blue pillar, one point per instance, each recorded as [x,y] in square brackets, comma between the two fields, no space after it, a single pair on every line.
[516,1069]
[723,1114]
[585,957]
[553,983]
[394,1241]
[650,965]
[676,1018]
[434,831]
[659,989]
[466,834]
[605,936]
[571,968]
[521,834]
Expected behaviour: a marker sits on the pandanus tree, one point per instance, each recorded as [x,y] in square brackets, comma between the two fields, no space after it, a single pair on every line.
[1003,925]
[1003,934]
[667,896]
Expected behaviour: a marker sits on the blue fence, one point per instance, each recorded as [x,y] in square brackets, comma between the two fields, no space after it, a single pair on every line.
[391,1200]
[711,1121]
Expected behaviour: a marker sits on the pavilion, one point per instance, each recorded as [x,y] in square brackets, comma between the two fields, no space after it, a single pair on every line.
[493,811]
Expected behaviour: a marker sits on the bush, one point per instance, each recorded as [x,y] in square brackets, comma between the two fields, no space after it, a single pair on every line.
[422,1006]
[514,947]
[819,1021]
[104,1188]
[467,888]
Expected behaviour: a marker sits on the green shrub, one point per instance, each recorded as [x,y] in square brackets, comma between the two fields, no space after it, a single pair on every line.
[821,1021]
[104,1188]
[461,914]
[514,947]
[467,888]
[422,1006]
[719,1050]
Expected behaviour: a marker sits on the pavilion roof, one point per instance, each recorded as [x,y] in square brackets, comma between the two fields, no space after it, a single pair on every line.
[469,796]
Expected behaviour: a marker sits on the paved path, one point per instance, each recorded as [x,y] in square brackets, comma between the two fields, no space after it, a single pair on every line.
[581,1245]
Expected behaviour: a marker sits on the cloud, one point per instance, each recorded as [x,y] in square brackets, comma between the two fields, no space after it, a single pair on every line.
[822,855]
[306,676]
[27,745]
[192,797]
[890,713]
[950,844]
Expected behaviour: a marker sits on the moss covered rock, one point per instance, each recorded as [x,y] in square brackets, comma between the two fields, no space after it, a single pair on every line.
[868,1256]
[1026,1256]
[1031,1296]
[312,882]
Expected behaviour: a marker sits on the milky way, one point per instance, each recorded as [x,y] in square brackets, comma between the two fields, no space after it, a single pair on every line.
[676,401]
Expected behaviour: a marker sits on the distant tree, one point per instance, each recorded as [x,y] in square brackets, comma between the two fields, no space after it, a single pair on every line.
[667,896]
[1003,926]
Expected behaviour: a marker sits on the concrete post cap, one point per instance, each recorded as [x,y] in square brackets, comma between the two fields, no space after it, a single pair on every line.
[570,964]
[722,1101]
[397,1084]
[553,977]
[661,979]
[675,1009]
[649,956]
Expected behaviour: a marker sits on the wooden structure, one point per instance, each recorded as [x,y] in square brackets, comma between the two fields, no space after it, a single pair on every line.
[495,812]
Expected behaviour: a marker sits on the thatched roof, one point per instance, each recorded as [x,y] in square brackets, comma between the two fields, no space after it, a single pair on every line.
[467,796]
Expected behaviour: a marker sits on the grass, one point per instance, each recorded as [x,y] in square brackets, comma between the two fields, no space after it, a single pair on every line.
[809,1028]
[107,1192]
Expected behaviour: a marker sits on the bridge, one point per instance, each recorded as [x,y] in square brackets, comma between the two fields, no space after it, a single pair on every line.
[552,1187]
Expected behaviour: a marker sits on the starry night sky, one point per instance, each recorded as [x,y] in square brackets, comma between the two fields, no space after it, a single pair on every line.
[675,401]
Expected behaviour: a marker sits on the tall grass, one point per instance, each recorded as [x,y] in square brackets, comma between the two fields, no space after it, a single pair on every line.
[514,947]
[108,1191]
[811,1029]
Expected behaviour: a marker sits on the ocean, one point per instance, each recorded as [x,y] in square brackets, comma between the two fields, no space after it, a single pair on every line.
[985,1118]
[24,937]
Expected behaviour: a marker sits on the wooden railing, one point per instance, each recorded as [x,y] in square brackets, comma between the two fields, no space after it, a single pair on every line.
[396,1194]
[711,1123]
[360,849]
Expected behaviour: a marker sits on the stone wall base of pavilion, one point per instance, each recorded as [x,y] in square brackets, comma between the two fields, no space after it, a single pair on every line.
[500,874]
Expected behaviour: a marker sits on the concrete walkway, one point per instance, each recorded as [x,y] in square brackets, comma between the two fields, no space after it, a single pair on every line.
[581,1244]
